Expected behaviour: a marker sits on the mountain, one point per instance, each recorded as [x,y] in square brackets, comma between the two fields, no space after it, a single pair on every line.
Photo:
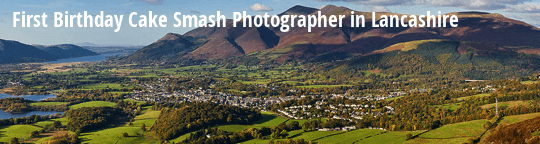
[476,30]
[66,51]
[16,52]
[86,44]
[170,46]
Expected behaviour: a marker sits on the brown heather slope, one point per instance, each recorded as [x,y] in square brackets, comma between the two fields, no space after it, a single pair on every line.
[326,43]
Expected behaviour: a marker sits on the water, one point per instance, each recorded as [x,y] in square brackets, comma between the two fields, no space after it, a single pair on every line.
[28,97]
[6,115]
[97,58]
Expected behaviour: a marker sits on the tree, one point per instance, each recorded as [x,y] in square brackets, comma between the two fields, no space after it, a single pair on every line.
[14,140]
[409,136]
[34,134]
[57,124]
[487,125]
[143,127]
[283,134]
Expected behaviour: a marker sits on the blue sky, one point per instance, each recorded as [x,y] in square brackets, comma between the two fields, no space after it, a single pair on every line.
[525,10]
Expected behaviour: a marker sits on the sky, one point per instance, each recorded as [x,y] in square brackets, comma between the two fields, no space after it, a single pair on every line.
[524,10]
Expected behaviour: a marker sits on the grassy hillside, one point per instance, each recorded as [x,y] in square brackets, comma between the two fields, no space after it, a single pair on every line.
[114,134]
[92,104]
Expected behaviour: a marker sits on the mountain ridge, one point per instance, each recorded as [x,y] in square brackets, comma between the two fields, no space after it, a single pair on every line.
[66,50]
[16,52]
[272,45]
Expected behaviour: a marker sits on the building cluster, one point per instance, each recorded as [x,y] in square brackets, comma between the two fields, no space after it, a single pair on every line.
[322,108]
[153,92]
[6,84]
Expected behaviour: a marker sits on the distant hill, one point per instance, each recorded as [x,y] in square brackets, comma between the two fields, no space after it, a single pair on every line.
[16,52]
[66,51]
[327,43]
[170,46]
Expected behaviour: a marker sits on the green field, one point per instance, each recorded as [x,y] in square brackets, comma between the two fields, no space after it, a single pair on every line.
[389,137]
[437,141]
[93,104]
[322,86]
[529,82]
[452,133]
[119,93]
[478,95]
[450,106]
[268,120]
[46,123]
[48,103]
[308,136]
[180,138]
[518,118]
[464,129]
[114,135]
[20,131]
[138,102]
[350,137]
[104,86]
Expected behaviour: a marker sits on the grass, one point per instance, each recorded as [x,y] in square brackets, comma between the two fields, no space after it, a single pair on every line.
[436,141]
[322,86]
[452,133]
[350,137]
[458,130]
[478,95]
[518,118]
[312,135]
[20,131]
[507,120]
[114,135]
[47,123]
[390,99]
[136,135]
[450,106]
[508,104]
[48,103]
[104,86]
[183,137]
[93,104]
[120,93]
[528,82]
[389,137]
[138,102]
[268,120]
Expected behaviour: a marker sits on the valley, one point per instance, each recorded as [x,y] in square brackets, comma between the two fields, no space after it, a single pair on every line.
[477,83]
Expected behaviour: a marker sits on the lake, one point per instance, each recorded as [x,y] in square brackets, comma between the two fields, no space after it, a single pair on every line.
[6,115]
[96,58]
[28,97]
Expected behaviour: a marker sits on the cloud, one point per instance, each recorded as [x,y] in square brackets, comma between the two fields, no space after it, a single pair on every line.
[524,8]
[194,11]
[467,4]
[373,2]
[50,5]
[473,4]
[152,2]
[377,9]
[128,4]
[260,8]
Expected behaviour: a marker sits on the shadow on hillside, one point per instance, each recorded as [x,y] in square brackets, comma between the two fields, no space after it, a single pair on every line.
[265,118]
